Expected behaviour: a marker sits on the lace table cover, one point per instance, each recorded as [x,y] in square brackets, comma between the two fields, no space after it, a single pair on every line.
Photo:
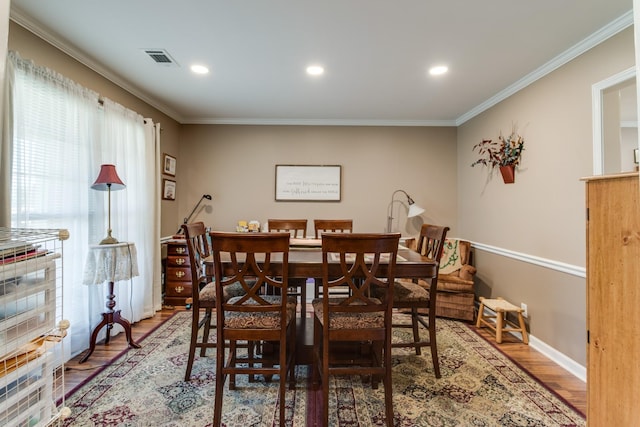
[110,263]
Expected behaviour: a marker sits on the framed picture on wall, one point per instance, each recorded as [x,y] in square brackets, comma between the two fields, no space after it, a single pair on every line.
[168,165]
[636,160]
[168,189]
[308,183]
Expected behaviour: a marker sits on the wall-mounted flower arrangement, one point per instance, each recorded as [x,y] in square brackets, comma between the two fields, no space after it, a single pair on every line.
[504,154]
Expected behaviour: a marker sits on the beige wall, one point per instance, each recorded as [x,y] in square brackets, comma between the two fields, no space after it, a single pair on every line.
[543,213]
[236,164]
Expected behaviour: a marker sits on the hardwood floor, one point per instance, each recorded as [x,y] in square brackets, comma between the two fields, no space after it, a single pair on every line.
[567,385]
[76,373]
[553,376]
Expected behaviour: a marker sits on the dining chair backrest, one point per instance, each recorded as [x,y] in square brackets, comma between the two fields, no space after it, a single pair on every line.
[431,241]
[198,249]
[362,258]
[296,227]
[332,225]
[248,257]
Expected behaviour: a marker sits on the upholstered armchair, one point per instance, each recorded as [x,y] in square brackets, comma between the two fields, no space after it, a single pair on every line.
[456,289]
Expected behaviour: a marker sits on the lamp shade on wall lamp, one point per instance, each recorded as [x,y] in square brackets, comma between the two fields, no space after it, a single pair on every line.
[414,209]
[108,180]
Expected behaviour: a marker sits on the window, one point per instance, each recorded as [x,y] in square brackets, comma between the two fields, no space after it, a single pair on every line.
[61,134]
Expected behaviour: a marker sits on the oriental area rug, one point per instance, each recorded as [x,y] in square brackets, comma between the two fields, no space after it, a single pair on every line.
[479,386]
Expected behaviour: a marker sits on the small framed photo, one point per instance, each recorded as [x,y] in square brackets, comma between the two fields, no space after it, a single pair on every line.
[168,165]
[636,157]
[168,189]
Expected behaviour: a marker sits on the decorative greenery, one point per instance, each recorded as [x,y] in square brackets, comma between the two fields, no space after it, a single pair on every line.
[507,151]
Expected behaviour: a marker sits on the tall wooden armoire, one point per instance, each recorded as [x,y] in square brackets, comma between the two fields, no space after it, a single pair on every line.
[613,300]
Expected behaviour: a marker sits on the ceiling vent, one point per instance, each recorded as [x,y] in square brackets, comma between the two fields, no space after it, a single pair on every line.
[160,56]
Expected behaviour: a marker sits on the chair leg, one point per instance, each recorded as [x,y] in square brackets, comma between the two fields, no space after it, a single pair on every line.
[206,321]
[325,386]
[283,380]
[220,379]
[378,358]
[315,367]
[292,356]
[433,342]
[232,363]
[251,356]
[388,386]
[416,331]
[192,345]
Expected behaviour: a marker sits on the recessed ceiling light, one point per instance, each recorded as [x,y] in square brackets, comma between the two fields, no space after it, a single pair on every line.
[315,70]
[199,69]
[438,70]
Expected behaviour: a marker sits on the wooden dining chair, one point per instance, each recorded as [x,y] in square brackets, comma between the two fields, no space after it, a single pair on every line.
[322,226]
[245,258]
[359,261]
[203,293]
[332,226]
[296,227]
[420,295]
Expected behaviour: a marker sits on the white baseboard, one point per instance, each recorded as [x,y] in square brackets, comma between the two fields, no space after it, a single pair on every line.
[560,358]
[557,357]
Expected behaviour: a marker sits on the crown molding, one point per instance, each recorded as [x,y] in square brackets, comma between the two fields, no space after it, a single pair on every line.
[322,122]
[590,42]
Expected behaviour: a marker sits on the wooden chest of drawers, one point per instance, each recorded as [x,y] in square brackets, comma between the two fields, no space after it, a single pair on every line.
[177,274]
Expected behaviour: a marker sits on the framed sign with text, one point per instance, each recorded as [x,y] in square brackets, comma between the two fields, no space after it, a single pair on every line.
[308,183]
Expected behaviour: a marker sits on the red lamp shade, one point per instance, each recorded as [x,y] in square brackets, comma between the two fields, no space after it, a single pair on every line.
[108,177]
[108,180]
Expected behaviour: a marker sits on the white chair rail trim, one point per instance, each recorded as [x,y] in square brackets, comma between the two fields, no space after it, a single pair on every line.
[574,270]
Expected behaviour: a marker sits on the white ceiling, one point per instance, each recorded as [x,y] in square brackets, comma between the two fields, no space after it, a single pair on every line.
[376,53]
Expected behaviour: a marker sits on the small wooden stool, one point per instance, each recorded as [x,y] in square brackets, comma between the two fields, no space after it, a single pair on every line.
[501,307]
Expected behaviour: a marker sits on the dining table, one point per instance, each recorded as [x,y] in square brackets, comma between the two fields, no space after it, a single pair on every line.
[305,262]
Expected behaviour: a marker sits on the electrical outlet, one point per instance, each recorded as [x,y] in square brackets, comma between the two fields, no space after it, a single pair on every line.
[525,311]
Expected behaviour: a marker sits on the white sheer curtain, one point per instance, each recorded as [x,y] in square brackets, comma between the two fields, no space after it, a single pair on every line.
[60,137]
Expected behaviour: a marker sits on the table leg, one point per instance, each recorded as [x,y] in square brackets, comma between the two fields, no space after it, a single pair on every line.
[108,319]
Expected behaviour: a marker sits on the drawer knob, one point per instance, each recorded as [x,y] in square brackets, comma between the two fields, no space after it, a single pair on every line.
[179,273]
[181,250]
[179,289]
[180,261]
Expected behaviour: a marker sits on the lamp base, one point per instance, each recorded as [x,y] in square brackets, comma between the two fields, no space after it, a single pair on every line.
[109,240]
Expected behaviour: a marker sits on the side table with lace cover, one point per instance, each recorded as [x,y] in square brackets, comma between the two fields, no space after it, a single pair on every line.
[110,263]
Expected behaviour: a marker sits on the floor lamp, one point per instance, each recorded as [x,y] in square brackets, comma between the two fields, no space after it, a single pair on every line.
[414,209]
[108,180]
